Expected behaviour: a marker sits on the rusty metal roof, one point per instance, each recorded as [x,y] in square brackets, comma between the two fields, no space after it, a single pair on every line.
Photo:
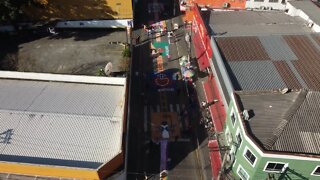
[287,61]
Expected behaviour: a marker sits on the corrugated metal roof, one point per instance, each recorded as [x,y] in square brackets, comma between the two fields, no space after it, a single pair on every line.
[297,63]
[309,8]
[287,75]
[256,75]
[302,132]
[316,37]
[308,64]
[57,123]
[255,23]
[277,48]
[242,48]
[284,122]
[266,108]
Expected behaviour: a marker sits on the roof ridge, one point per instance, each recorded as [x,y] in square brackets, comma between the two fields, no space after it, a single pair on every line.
[286,119]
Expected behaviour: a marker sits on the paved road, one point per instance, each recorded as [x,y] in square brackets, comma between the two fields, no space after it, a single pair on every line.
[144,156]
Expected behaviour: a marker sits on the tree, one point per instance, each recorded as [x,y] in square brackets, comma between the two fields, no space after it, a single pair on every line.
[41,2]
[10,10]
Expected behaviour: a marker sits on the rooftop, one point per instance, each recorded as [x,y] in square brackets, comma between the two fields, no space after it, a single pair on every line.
[308,7]
[60,122]
[284,122]
[272,61]
[255,23]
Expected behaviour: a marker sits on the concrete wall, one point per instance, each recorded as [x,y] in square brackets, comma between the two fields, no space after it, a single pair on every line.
[293,11]
[219,4]
[251,4]
[48,171]
[220,72]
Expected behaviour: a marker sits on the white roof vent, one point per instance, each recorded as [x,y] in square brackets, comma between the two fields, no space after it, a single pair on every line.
[245,114]
[284,91]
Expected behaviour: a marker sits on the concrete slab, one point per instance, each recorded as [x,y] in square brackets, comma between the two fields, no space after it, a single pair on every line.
[70,52]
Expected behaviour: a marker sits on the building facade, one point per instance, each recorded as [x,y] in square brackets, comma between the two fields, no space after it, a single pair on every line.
[266,4]
[246,159]
[61,126]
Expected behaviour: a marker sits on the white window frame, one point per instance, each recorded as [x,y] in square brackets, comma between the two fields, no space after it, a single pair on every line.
[244,171]
[312,174]
[228,135]
[237,133]
[235,161]
[235,119]
[244,155]
[284,167]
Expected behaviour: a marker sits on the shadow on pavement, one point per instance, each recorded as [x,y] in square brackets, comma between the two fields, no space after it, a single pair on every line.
[83,34]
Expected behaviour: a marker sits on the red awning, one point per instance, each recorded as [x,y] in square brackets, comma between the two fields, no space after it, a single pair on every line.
[201,52]
[203,61]
[215,158]
[217,109]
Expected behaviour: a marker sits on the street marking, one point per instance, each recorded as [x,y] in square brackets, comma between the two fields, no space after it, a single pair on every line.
[145,119]
[158,37]
[178,108]
[171,107]
[160,64]
[183,140]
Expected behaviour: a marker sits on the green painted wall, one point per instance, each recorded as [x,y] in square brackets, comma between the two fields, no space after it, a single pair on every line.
[297,169]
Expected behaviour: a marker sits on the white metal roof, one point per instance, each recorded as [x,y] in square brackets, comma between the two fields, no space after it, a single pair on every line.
[60,123]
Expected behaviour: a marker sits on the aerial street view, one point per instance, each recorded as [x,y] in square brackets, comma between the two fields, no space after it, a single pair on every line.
[150,89]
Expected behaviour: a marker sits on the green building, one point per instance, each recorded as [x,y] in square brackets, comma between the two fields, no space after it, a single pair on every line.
[273,135]
[269,81]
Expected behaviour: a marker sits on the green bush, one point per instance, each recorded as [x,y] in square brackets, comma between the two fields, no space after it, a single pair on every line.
[126,52]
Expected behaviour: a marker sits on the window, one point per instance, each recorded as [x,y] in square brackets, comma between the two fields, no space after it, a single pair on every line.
[233,118]
[242,173]
[275,166]
[258,0]
[239,138]
[273,1]
[249,156]
[316,171]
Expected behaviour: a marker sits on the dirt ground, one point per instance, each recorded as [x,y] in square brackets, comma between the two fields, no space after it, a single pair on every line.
[71,52]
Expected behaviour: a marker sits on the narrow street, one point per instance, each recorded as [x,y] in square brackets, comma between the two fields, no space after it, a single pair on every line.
[159,87]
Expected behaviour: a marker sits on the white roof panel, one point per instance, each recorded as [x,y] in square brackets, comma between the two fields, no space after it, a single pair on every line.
[58,123]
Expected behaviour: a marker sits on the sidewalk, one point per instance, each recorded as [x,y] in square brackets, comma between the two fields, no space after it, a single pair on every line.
[202,139]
